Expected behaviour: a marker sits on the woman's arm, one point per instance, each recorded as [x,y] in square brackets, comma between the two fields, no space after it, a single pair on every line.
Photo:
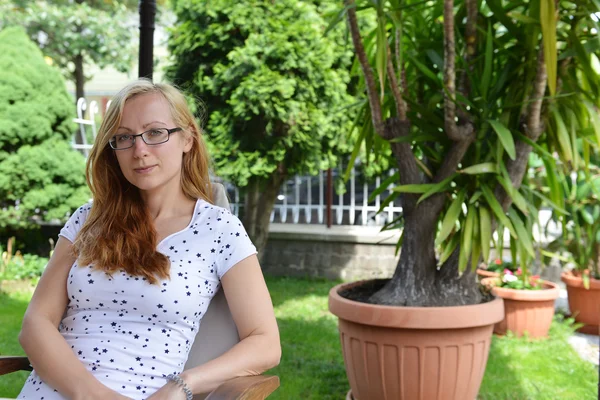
[48,352]
[252,310]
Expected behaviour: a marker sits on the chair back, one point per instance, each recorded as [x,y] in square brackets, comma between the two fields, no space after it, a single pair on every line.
[217,332]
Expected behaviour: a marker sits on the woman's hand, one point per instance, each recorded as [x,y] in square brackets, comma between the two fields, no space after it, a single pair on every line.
[171,391]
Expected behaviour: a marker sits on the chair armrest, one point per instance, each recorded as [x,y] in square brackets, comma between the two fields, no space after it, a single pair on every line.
[242,388]
[10,364]
[246,388]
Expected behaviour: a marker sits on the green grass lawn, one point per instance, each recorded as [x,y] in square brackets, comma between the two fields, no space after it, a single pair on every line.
[312,365]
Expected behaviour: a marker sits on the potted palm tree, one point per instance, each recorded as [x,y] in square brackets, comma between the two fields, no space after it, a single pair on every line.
[458,94]
[579,243]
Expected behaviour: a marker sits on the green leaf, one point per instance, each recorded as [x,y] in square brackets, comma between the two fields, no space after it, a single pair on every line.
[449,249]
[485,232]
[501,15]
[556,192]
[483,168]
[595,120]
[437,188]
[354,154]
[505,138]
[546,200]
[475,197]
[523,234]
[399,244]
[339,17]
[542,152]
[451,216]
[514,194]
[497,209]
[548,22]
[523,18]
[513,249]
[414,188]
[386,202]
[423,68]
[475,240]
[563,137]
[384,185]
[381,52]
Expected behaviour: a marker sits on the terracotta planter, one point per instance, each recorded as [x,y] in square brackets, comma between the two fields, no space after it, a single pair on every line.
[528,311]
[411,353]
[584,303]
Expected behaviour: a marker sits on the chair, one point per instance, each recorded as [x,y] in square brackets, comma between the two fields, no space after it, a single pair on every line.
[216,335]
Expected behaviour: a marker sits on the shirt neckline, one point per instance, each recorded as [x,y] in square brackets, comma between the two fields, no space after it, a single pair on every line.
[196,207]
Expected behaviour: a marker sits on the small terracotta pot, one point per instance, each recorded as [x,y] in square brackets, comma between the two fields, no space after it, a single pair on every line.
[405,353]
[584,303]
[528,311]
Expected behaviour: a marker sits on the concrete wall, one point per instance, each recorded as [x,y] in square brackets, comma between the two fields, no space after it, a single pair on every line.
[339,252]
[345,252]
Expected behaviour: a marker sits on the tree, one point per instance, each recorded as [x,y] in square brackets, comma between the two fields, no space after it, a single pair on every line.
[275,90]
[464,92]
[78,34]
[41,177]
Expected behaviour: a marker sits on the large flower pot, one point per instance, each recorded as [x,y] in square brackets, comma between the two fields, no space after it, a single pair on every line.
[414,352]
[528,311]
[584,303]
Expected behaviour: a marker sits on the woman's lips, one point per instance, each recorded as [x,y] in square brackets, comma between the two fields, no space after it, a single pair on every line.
[145,170]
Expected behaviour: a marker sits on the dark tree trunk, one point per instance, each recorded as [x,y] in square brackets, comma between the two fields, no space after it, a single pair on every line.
[79,77]
[78,71]
[260,200]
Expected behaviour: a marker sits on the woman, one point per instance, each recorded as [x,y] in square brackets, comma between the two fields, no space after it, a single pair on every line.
[136,268]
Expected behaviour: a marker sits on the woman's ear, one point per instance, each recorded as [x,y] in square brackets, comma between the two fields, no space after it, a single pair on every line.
[189,140]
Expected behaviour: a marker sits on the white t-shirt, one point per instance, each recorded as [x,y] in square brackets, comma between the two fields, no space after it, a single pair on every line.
[130,334]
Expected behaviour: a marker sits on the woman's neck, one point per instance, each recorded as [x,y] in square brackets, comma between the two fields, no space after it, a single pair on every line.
[168,204]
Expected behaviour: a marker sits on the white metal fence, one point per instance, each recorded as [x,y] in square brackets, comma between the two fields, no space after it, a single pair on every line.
[302,199]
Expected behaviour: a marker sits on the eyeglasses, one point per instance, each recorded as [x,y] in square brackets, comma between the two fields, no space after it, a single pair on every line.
[152,137]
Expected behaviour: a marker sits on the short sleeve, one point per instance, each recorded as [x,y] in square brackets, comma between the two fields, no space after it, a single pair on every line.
[74,224]
[233,242]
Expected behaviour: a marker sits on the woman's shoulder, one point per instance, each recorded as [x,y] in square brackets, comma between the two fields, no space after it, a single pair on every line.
[216,215]
[75,222]
[212,211]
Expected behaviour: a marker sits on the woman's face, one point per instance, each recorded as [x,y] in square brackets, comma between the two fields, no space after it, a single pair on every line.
[151,168]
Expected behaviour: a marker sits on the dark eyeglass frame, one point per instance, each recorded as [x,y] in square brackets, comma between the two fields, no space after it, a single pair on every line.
[169,132]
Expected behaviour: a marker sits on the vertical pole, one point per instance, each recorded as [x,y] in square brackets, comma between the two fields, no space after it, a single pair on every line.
[147,9]
[329,196]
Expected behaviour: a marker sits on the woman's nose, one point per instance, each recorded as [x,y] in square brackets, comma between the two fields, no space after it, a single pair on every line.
[140,148]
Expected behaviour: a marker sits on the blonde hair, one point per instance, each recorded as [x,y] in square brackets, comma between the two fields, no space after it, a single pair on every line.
[118,233]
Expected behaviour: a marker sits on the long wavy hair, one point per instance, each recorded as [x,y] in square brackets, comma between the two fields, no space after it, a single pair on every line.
[118,233]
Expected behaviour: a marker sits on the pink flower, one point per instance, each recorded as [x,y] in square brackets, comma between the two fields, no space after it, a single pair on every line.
[519,271]
[507,271]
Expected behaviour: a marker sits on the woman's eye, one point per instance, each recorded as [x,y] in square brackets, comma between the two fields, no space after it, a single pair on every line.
[156,132]
[123,138]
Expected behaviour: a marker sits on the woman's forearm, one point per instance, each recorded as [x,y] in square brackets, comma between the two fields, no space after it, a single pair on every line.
[55,362]
[251,356]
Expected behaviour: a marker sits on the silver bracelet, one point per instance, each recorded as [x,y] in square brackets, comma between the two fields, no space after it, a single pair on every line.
[177,379]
